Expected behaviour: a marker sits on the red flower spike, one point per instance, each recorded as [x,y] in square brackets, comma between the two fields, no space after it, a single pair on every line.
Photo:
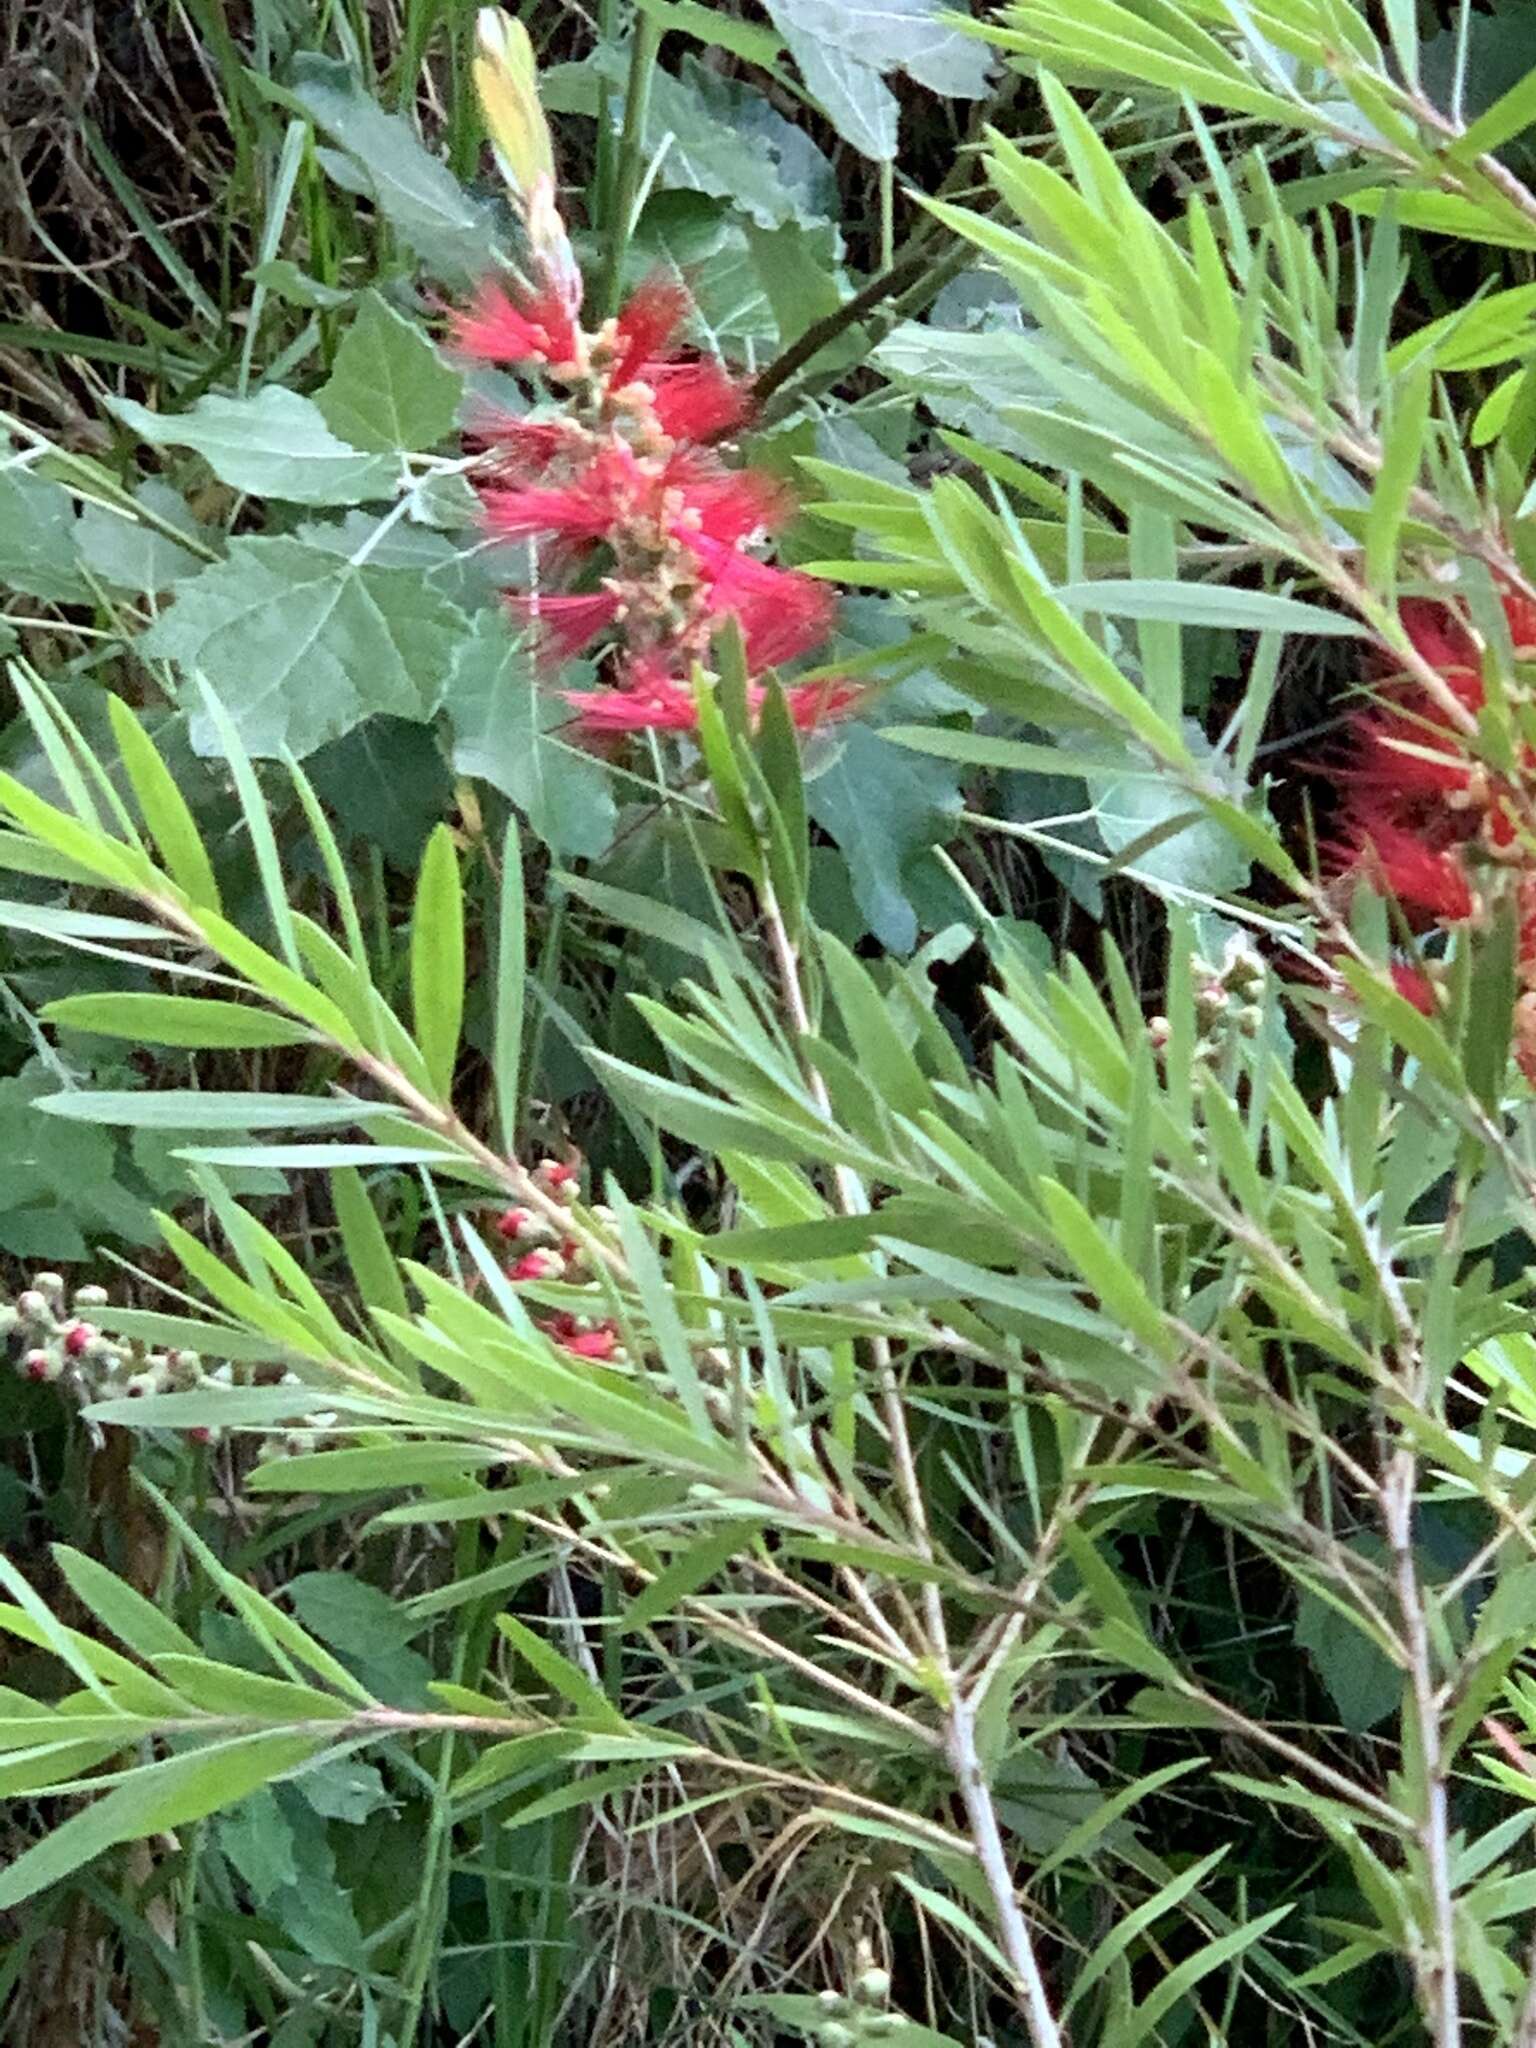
[727,505]
[1520,611]
[512,1222]
[783,613]
[565,624]
[524,448]
[1423,880]
[1404,758]
[496,329]
[647,327]
[814,704]
[695,401]
[665,705]
[582,511]
[1443,639]
[604,714]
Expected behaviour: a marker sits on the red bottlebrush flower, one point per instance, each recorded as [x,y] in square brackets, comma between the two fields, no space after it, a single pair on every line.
[647,327]
[1520,612]
[814,704]
[727,505]
[695,401]
[1401,758]
[1415,986]
[663,706]
[581,511]
[565,624]
[524,448]
[1424,879]
[513,1222]
[496,329]
[1445,642]
[783,614]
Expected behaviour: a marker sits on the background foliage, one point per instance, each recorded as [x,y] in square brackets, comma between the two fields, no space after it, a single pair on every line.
[1051,1560]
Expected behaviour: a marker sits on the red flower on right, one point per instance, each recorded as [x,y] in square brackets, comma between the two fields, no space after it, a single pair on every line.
[1425,821]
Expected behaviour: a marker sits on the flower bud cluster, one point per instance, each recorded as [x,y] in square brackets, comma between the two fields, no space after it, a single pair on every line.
[544,1253]
[54,1341]
[864,2013]
[1229,1001]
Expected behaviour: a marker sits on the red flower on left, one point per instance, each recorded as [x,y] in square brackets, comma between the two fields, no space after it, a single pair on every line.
[645,536]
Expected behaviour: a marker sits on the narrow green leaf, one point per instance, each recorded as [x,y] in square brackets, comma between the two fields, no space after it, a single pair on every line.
[1510,115]
[688,1570]
[437,960]
[561,1675]
[660,1306]
[176,1020]
[1116,1285]
[511,973]
[372,1263]
[258,823]
[151,1800]
[193,1109]
[135,1621]
[1402,457]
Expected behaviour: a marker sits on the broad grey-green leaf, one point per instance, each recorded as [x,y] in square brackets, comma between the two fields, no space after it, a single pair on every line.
[418,195]
[505,728]
[389,391]
[1201,855]
[892,35]
[1363,1683]
[965,377]
[37,539]
[852,94]
[879,838]
[301,644]
[129,555]
[275,444]
[720,139]
[259,1842]
[58,1178]
[385,783]
[284,277]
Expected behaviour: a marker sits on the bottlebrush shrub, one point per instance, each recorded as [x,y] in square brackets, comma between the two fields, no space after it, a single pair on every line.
[641,535]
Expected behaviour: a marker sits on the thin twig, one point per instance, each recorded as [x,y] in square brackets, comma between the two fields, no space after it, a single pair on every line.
[976,1796]
[1436,1970]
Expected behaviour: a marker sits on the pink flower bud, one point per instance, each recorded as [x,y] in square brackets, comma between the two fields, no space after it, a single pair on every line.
[539,1264]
